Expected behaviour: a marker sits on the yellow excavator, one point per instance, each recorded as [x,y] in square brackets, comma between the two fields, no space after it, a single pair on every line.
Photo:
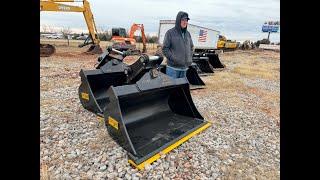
[225,44]
[56,5]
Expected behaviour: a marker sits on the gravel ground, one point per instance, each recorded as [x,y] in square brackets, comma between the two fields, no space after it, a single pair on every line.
[242,143]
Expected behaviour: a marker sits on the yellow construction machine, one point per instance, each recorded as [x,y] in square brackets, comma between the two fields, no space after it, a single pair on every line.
[56,5]
[225,44]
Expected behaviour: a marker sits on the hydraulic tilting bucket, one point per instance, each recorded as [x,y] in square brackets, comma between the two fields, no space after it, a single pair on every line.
[192,76]
[152,116]
[111,71]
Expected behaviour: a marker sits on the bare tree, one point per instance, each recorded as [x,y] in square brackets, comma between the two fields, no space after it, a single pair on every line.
[51,28]
[100,29]
[103,33]
[45,28]
[66,31]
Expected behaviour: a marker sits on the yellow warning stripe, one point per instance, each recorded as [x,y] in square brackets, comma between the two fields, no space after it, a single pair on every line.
[85,96]
[169,148]
[113,122]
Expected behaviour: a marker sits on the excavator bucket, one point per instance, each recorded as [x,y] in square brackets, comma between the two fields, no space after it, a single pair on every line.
[110,71]
[215,61]
[152,116]
[47,50]
[192,76]
[204,64]
[207,63]
[94,84]
[94,49]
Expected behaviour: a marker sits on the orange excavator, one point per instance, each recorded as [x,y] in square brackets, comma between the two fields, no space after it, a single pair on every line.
[123,43]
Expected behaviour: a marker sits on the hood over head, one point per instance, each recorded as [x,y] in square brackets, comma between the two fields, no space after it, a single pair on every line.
[180,15]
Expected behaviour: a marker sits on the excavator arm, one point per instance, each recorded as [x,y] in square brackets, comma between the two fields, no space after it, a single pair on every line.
[88,16]
[140,27]
[56,5]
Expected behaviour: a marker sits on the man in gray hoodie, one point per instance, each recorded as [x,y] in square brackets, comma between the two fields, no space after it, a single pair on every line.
[178,47]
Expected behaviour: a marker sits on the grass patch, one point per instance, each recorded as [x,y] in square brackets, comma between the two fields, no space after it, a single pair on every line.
[255,72]
[223,81]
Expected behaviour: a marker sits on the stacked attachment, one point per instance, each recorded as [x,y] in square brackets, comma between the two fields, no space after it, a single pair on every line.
[146,112]
[207,62]
[110,71]
[192,76]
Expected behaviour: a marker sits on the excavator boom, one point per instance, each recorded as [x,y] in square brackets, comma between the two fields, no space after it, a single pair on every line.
[123,43]
[56,5]
[140,27]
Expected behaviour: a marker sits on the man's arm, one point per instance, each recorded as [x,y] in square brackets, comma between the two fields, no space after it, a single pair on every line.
[166,46]
[191,43]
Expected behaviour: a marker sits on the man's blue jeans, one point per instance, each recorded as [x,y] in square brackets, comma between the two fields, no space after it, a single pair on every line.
[176,73]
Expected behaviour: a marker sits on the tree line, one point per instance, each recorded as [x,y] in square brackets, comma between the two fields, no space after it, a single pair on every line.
[103,34]
[106,36]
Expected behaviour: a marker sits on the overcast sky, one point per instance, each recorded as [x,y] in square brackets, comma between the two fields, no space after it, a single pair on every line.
[237,19]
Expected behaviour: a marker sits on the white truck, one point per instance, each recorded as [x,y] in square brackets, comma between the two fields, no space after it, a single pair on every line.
[55,36]
[205,42]
[203,38]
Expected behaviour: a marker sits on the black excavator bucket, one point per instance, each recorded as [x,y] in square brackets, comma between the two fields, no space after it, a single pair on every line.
[121,46]
[92,90]
[47,50]
[110,71]
[215,61]
[207,62]
[192,76]
[94,49]
[203,64]
[152,116]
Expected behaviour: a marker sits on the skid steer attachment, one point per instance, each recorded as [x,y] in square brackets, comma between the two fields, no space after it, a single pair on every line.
[110,71]
[192,76]
[152,116]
